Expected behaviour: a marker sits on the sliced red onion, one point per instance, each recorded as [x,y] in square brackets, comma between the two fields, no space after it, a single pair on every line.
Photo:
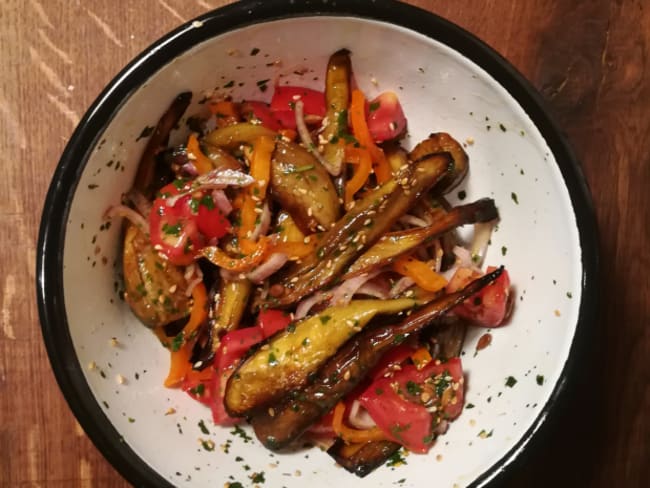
[413,220]
[221,201]
[306,305]
[305,137]
[377,288]
[128,213]
[342,294]
[482,234]
[359,417]
[189,169]
[265,222]
[401,286]
[217,179]
[274,262]
[193,276]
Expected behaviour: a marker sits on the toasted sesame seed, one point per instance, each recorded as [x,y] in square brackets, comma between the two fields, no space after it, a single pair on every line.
[170,411]
[120,379]
[92,365]
[294,279]
[113,342]
[346,375]
[172,289]
[271,412]
[306,240]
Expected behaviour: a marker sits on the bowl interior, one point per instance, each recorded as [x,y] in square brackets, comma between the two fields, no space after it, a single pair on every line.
[440,90]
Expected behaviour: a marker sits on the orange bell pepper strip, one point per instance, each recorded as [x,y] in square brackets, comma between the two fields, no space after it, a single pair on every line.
[351,435]
[224,109]
[180,364]
[239,265]
[420,272]
[201,162]
[382,169]
[260,169]
[364,163]
[421,357]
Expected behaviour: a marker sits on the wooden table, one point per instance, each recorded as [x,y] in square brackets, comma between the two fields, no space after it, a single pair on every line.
[588,59]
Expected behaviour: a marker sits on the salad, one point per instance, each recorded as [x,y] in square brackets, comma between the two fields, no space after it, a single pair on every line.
[303,268]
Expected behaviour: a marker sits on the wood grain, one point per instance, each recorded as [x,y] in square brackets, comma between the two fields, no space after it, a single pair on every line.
[588,59]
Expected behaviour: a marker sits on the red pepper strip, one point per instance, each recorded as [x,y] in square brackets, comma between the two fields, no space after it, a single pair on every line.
[362,133]
[364,163]
[420,272]
[180,364]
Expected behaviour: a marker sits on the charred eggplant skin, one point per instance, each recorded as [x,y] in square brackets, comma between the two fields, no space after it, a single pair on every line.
[366,458]
[361,227]
[391,246]
[443,142]
[279,426]
[154,288]
[302,186]
[145,179]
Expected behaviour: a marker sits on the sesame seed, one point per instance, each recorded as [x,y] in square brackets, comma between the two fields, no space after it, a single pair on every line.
[302,190]
[271,412]
[120,379]
[172,289]
[92,365]
[306,240]
[310,212]
[425,397]
[113,342]
[170,411]
[346,375]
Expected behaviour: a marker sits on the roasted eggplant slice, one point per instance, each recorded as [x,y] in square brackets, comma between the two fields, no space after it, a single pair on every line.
[443,142]
[361,227]
[303,188]
[146,182]
[154,288]
[231,136]
[362,459]
[395,244]
[337,99]
[286,361]
[278,426]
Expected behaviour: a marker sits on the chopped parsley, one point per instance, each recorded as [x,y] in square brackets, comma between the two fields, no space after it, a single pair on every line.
[273,361]
[203,428]
[413,388]
[374,106]
[324,319]
[198,390]
[514,197]
[177,341]
[511,381]
[540,379]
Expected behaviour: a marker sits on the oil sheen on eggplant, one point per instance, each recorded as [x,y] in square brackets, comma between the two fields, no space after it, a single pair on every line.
[278,426]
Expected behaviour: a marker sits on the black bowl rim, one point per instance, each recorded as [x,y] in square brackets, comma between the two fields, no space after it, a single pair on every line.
[49,273]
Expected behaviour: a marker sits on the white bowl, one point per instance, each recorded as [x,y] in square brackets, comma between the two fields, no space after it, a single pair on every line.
[447,81]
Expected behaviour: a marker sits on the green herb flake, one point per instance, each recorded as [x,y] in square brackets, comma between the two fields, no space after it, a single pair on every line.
[203,428]
[396,459]
[399,338]
[238,431]
[254,51]
[146,132]
[514,197]
[511,381]
[230,84]
[469,405]
[324,319]
[262,84]
[569,294]
[462,194]
[413,388]
[131,420]
[177,342]
[208,445]
[504,250]
[235,484]
[194,205]
[198,390]
[207,202]
[540,379]
[502,127]
[258,477]
[374,106]
[179,183]
[273,361]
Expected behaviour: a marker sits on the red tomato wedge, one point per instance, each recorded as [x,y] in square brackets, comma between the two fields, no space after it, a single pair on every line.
[285,98]
[178,231]
[488,308]
[271,321]
[254,111]
[386,119]
[403,405]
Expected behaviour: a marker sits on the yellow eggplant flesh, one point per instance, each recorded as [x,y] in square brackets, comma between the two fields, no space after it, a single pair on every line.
[393,245]
[232,136]
[360,228]
[229,307]
[337,100]
[278,426]
[154,288]
[289,357]
[303,187]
